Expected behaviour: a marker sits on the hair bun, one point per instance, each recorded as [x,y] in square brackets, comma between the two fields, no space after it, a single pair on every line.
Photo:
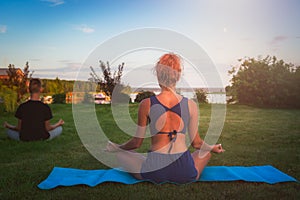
[168,69]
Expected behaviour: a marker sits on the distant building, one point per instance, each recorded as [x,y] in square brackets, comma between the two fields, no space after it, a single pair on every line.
[75,97]
[4,75]
[48,99]
[78,97]
[101,98]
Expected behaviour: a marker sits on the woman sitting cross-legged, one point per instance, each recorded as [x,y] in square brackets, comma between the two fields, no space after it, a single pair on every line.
[171,118]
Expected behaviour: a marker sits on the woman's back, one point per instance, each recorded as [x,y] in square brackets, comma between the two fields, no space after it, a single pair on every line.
[169,117]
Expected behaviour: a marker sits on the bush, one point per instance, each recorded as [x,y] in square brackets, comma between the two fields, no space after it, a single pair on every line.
[201,96]
[59,98]
[266,82]
[120,98]
[9,97]
[2,108]
[17,80]
[143,95]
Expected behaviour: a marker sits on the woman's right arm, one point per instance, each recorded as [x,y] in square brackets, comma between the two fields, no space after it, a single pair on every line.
[137,140]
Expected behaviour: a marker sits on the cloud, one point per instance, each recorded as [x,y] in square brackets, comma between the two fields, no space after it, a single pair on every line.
[71,66]
[35,59]
[3,28]
[54,2]
[64,61]
[68,72]
[84,28]
[278,39]
[247,39]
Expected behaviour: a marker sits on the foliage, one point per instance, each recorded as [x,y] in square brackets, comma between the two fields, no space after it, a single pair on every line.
[121,94]
[57,86]
[265,82]
[9,97]
[120,97]
[201,96]
[59,98]
[18,80]
[143,95]
[126,89]
[109,79]
[84,86]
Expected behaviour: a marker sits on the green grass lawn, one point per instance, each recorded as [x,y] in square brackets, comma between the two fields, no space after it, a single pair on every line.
[251,136]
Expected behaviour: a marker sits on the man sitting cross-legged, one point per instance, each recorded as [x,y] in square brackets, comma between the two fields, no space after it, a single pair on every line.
[34,118]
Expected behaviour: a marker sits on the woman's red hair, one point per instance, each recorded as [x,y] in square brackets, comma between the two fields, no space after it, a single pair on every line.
[168,69]
[171,60]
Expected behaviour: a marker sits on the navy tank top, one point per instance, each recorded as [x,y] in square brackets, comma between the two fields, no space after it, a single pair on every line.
[157,109]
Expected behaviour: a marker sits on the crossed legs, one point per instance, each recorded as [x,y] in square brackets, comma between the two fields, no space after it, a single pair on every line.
[132,162]
[201,158]
[15,135]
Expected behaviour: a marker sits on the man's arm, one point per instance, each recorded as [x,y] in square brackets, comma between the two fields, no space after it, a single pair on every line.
[50,127]
[12,127]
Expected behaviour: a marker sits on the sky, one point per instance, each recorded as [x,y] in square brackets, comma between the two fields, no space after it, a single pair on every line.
[56,37]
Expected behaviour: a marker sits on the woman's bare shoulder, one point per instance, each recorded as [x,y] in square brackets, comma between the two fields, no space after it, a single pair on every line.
[144,107]
[192,103]
[193,107]
[145,104]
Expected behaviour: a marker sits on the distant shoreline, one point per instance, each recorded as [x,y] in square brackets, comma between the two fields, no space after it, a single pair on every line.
[156,89]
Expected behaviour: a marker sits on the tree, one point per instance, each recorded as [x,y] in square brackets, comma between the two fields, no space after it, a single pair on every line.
[57,86]
[143,95]
[18,80]
[201,96]
[109,80]
[265,82]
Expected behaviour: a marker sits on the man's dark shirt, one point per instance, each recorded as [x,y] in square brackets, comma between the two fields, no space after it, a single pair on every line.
[33,115]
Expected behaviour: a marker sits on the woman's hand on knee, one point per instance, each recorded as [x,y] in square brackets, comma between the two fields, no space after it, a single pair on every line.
[112,147]
[217,148]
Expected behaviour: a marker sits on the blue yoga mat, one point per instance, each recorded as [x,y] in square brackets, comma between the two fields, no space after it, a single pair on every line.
[69,177]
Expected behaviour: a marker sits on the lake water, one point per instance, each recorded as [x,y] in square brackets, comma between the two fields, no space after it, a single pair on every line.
[218,98]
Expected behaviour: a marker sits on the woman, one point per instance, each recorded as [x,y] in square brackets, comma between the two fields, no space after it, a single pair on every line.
[170,117]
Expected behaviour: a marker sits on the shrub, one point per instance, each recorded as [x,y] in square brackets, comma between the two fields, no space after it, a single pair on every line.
[59,98]
[201,96]
[266,82]
[143,95]
[9,97]
[120,98]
